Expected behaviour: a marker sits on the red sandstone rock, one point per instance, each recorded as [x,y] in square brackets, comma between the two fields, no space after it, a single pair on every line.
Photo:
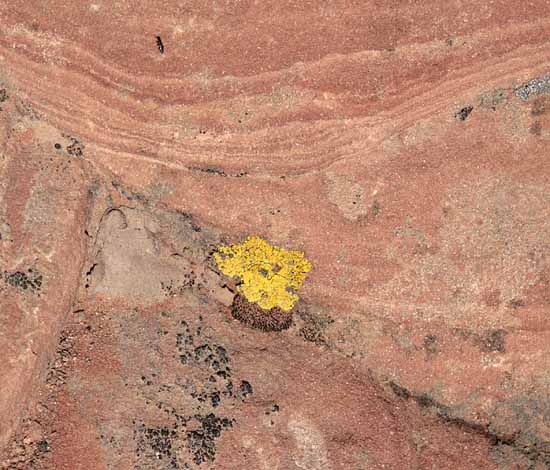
[403,148]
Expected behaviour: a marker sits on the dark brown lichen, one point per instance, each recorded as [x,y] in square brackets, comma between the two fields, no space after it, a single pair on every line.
[256,317]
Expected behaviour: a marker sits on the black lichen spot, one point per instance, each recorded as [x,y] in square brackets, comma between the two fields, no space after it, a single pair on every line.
[516,303]
[20,280]
[212,358]
[208,382]
[186,357]
[213,171]
[312,334]
[274,409]
[177,288]
[43,446]
[245,389]
[209,169]
[203,353]
[157,444]
[199,396]
[185,338]
[3,95]
[215,398]
[75,148]
[57,146]
[228,392]
[493,341]
[160,45]
[254,316]
[201,441]
[430,344]
[464,113]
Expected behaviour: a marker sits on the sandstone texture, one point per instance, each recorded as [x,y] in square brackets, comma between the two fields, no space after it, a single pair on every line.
[404,147]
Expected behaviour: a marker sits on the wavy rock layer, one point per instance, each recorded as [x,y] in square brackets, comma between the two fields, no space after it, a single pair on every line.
[403,148]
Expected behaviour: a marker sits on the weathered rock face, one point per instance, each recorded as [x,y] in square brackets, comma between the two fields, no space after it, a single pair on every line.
[43,200]
[403,148]
[182,384]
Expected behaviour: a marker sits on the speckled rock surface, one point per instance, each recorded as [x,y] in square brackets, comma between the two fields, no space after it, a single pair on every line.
[403,148]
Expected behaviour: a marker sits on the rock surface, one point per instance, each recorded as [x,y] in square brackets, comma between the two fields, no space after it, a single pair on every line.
[403,148]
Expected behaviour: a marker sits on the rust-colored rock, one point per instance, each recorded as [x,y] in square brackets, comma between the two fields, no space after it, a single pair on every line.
[403,148]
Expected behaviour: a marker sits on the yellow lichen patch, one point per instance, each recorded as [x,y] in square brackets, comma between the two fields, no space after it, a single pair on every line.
[268,275]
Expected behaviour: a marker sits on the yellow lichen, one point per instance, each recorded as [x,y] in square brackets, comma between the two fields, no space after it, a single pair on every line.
[268,275]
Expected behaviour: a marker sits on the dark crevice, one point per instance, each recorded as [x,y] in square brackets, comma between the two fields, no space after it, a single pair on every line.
[444,413]
[536,451]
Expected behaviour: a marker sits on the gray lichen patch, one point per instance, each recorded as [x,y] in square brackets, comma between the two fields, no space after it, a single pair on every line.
[30,280]
[534,87]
